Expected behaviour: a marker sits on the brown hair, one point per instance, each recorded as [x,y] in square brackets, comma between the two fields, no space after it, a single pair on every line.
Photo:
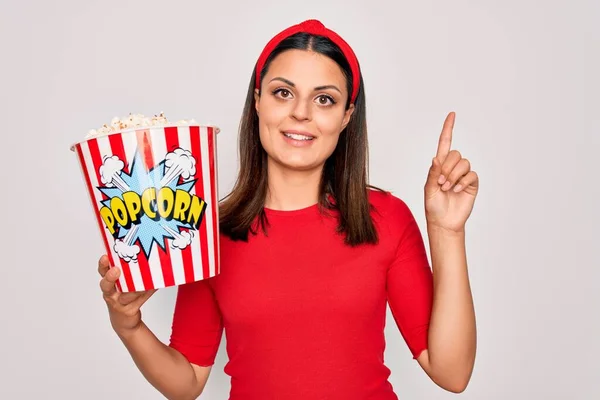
[344,186]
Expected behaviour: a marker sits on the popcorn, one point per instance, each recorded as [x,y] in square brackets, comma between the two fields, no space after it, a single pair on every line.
[136,121]
[173,163]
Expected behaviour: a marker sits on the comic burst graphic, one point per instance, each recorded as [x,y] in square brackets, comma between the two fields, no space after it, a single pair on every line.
[176,172]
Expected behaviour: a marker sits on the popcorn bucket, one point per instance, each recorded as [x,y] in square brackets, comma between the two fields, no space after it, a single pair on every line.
[154,194]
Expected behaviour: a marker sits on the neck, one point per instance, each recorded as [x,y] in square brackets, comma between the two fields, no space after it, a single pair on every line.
[292,190]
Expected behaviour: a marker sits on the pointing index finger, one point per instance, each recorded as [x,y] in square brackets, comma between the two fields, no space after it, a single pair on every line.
[445,141]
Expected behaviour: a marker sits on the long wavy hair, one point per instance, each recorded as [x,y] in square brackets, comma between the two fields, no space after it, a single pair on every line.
[343,186]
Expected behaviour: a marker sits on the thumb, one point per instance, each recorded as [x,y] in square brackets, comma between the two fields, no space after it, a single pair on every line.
[434,174]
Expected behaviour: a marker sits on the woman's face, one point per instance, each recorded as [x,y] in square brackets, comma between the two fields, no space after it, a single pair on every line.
[301,109]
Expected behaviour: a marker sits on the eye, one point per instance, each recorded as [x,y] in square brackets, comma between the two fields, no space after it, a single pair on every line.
[282,92]
[325,100]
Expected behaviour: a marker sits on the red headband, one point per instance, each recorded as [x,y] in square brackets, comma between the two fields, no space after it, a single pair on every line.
[314,27]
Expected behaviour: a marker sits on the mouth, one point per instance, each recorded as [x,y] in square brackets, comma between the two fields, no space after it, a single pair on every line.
[299,136]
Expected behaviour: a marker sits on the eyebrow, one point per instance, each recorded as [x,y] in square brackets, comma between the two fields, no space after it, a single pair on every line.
[292,84]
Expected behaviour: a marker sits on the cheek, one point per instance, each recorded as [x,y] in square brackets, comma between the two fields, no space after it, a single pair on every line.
[331,143]
[330,135]
[329,125]
[272,114]
[264,137]
[268,122]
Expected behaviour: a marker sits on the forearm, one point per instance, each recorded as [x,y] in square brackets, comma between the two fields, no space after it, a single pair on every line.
[452,332]
[164,367]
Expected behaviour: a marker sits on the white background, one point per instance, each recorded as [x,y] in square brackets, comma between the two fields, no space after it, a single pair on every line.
[522,77]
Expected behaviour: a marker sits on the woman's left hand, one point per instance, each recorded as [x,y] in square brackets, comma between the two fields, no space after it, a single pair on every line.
[451,185]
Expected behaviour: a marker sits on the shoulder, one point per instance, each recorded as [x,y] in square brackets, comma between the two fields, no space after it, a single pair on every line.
[385,204]
[391,215]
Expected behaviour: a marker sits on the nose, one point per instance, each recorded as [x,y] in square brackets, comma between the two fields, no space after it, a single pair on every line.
[301,110]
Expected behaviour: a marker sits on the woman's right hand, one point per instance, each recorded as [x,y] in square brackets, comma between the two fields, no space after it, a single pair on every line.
[123,308]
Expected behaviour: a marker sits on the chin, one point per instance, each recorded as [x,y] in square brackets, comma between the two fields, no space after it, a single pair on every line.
[298,164]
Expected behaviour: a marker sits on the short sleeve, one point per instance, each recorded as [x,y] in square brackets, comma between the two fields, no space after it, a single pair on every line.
[197,324]
[410,281]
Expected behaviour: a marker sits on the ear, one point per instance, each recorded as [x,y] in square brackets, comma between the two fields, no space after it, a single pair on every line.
[347,116]
[256,99]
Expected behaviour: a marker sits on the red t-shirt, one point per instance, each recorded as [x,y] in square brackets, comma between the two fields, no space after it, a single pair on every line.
[303,313]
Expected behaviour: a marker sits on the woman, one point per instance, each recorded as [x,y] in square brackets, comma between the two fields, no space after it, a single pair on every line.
[311,254]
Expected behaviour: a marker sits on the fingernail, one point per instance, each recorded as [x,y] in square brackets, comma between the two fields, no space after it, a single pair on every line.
[457,188]
[441,179]
[446,186]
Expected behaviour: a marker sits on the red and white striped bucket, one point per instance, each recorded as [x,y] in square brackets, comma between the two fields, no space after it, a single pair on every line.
[154,193]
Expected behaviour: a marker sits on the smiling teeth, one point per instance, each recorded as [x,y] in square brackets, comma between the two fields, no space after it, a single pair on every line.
[297,137]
